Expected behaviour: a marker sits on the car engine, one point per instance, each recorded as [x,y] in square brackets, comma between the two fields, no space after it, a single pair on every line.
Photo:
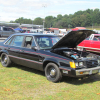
[71,54]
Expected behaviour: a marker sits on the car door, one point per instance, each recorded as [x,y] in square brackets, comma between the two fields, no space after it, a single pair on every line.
[29,57]
[14,45]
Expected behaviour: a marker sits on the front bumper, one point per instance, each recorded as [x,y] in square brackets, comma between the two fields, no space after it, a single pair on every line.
[88,71]
[81,72]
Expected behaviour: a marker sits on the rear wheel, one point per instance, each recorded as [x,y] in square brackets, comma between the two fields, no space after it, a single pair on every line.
[5,61]
[52,72]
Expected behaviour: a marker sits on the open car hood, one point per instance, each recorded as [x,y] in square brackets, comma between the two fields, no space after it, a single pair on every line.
[73,38]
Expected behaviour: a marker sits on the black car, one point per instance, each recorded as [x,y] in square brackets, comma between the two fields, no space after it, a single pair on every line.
[56,57]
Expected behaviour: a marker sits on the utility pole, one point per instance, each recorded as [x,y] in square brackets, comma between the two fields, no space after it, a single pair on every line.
[44,5]
[32,24]
[92,26]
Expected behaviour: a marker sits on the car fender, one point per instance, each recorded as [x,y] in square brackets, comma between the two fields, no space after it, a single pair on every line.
[4,51]
[47,60]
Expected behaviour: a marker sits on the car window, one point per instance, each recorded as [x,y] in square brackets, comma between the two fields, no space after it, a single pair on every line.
[28,42]
[5,29]
[8,42]
[17,41]
[9,29]
[96,38]
[87,38]
[46,42]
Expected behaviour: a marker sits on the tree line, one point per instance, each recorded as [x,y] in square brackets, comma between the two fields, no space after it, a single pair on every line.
[80,18]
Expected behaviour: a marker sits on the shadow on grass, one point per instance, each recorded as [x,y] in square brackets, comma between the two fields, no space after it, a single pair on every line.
[80,81]
[32,70]
[66,79]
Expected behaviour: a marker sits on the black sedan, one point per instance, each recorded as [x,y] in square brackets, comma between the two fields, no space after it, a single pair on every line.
[56,57]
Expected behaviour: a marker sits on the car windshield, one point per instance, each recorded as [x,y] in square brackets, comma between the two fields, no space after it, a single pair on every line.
[46,42]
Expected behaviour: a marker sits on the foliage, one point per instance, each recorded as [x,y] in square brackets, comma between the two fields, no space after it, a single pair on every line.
[38,21]
[80,18]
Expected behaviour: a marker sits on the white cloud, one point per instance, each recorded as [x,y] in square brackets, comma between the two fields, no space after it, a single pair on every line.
[9,2]
[34,8]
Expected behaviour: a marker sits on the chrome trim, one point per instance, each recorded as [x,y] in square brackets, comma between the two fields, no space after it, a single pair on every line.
[88,47]
[25,59]
[88,71]
[7,40]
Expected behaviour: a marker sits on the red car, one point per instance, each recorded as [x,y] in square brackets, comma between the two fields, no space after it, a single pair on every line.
[91,44]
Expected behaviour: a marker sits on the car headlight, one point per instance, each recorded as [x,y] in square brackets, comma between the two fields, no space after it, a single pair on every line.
[76,64]
[80,63]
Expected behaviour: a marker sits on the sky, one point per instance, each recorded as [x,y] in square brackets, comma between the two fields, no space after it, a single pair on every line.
[10,10]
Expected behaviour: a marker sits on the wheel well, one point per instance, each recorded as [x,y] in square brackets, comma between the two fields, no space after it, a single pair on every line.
[46,62]
[1,53]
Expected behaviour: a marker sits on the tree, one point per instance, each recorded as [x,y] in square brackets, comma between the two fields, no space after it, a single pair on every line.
[38,21]
[49,21]
[79,18]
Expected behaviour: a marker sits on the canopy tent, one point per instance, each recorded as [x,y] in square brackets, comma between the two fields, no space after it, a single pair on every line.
[18,29]
[78,28]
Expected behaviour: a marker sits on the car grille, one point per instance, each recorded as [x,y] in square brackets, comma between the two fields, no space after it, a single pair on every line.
[91,63]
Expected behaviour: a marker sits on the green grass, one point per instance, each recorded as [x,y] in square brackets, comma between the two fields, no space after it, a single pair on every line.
[22,83]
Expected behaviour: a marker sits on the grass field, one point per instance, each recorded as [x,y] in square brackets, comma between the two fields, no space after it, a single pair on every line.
[22,83]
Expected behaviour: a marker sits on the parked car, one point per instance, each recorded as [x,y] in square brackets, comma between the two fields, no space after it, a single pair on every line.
[91,43]
[56,57]
[61,34]
[6,31]
[48,32]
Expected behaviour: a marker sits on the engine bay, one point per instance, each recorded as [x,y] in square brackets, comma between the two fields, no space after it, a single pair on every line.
[73,53]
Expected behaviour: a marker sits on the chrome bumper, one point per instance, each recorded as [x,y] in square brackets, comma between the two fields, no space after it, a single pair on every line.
[88,71]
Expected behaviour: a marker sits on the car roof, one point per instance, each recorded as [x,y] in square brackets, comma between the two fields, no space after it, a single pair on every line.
[34,34]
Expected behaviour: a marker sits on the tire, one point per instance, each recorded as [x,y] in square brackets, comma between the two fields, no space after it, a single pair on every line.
[52,72]
[5,61]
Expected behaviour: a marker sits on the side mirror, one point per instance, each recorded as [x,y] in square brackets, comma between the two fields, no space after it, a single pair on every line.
[34,47]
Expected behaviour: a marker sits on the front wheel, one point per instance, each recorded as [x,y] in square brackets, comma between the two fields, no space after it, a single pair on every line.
[5,61]
[52,72]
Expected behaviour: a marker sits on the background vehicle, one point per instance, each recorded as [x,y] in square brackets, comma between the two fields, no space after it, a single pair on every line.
[6,31]
[91,44]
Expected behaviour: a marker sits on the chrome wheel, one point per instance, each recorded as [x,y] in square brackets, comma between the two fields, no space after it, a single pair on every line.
[52,72]
[5,61]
